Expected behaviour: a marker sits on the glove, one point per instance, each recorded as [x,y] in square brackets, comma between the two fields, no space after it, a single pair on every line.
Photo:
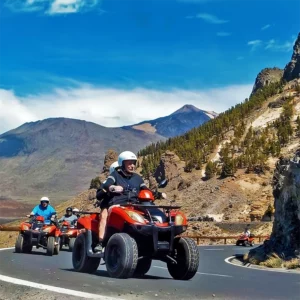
[52,218]
[164,195]
[116,189]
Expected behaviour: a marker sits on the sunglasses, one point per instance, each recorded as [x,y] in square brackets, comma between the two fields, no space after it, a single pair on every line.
[44,201]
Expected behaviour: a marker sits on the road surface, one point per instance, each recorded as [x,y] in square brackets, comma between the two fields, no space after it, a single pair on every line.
[215,279]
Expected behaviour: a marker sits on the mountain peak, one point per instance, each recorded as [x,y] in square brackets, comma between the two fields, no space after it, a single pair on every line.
[292,69]
[187,108]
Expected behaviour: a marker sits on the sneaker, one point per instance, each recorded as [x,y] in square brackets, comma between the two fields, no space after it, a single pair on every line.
[98,248]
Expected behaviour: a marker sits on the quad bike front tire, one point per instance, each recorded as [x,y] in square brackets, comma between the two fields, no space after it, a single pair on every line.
[143,267]
[57,246]
[82,262]
[21,246]
[71,244]
[186,254]
[50,245]
[121,256]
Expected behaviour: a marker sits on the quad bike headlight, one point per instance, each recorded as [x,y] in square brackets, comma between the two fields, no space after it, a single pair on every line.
[25,227]
[179,220]
[135,216]
[47,229]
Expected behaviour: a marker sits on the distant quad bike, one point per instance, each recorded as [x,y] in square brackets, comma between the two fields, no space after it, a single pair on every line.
[67,235]
[135,235]
[39,233]
[244,240]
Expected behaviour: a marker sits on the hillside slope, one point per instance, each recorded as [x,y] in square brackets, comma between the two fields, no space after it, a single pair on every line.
[59,156]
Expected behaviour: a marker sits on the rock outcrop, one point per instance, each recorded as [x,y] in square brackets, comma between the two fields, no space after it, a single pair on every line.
[292,69]
[285,237]
[265,77]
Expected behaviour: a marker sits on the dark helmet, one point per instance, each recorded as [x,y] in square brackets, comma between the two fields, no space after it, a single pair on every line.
[69,209]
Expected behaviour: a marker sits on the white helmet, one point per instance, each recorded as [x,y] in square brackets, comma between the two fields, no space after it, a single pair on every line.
[126,155]
[113,166]
[75,210]
[46,199]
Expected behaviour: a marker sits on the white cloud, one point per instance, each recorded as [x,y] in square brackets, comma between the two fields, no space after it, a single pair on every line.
[276,46]
[273,45]
[70,6]
[254,44]
[112,107]
[211,18]
[223,33]
[266,27]
[51,7]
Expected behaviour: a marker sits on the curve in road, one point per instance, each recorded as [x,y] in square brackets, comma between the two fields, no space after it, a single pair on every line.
[214,277]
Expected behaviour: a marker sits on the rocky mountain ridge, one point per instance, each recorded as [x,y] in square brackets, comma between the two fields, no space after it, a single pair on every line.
[177,123]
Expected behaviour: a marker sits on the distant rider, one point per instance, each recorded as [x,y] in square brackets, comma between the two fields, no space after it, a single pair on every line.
[44,209]
[123,179]
[247,232]
[69,217]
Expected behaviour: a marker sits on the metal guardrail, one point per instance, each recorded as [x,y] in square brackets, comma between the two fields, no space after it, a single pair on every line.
[225,238]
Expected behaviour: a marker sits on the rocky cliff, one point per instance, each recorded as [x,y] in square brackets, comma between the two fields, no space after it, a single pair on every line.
[267,76]
[292,69]
[285,237]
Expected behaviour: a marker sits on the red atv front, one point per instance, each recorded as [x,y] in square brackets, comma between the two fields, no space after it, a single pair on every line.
[39,233]
[245,240]
[67,235]
[135,235]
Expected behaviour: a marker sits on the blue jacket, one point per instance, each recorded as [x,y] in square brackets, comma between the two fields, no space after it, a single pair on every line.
[46,212]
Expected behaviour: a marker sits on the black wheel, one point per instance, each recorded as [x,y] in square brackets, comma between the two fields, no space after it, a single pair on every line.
[186,253]
[121,256]
[143,266]
[19,243]
[237,243]
[82,262]
[245,244]
[57,246]
[71,244]
[50,245]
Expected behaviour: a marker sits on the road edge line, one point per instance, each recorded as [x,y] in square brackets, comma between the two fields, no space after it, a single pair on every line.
[248,266]
[54,288]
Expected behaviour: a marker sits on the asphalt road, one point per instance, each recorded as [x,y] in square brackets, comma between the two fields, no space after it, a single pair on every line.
[215,278]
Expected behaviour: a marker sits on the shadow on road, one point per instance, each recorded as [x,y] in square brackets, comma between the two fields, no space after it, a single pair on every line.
[33,253]
[103,273]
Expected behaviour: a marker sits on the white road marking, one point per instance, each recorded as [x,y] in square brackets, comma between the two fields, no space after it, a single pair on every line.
[52,288]
[199,273]
[2,249]
[213,249]
[248,266]
[55,289]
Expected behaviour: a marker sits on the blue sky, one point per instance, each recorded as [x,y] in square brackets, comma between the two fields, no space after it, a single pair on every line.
[53,51]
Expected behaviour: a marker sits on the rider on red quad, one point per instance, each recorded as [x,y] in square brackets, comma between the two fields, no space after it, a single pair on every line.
[69,217]
[122,179]
[103,198]
[44,209]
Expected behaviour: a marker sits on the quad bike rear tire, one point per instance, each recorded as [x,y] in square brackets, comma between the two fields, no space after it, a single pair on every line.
[71,244]
[121,256]
[186,254]
[50,245]
[82,262]
[143,267]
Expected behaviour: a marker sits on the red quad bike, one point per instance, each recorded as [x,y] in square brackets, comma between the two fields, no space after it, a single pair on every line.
[39,233]
[245,240]
[135,235]
[67,235]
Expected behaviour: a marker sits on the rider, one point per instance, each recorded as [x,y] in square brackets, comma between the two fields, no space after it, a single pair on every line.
[104,196]
[123,179]
[44,209]
[69,217]
[247,232]
[76,212]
